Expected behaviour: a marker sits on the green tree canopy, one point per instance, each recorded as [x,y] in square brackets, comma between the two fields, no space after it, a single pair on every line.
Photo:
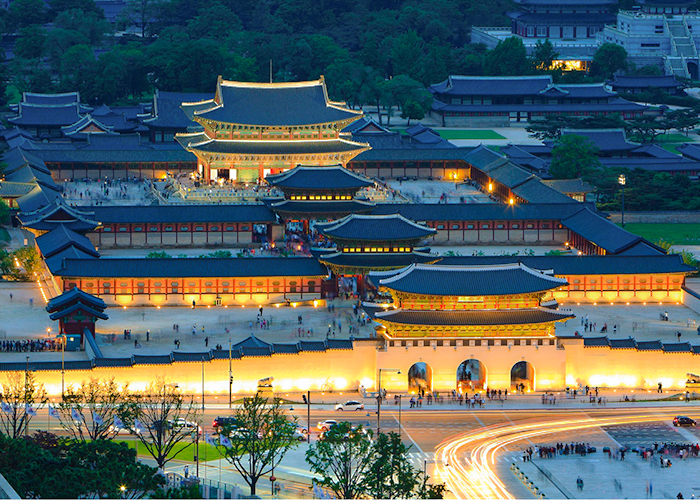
[543,55]
[30,42]
[573,156]
[609,59]
[508,58]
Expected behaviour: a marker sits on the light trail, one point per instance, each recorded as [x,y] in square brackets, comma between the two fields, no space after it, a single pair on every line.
[473,477]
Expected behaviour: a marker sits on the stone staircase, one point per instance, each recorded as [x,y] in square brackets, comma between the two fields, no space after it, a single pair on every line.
[682,48]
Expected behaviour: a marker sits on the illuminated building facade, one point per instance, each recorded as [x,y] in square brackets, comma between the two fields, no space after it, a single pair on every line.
[255,129]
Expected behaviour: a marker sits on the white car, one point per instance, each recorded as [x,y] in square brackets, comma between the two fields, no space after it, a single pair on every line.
[326,424]
[181,422]
[350,405]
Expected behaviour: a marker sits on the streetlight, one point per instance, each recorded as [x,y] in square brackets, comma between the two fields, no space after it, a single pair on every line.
[379,395]
[622,180]
[202,383]
[230,375]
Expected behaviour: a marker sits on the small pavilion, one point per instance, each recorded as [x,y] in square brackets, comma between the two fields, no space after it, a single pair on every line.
[76,312]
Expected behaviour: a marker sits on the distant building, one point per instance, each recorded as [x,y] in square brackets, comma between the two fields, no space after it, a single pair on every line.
[570,25]
[660,33]
[637,84]
[505,100]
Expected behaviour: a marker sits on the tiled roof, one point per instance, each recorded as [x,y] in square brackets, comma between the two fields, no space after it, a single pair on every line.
[59,213]
[75,294]
[78,307]
[623,82]
[264,104]
[472,317]
[167,111]
[15,189]
[650,345]
[312,346]
[155,214]
[111,148]
[191,357]
[376,260]
[613,105]
[485,159]
[676,164]
[492,85]
[56,261]
[320,146]
[483,211]
[535,190]
[623,343]
[506,279]
[339,207]
[51,99]
[606,140]
[341,344]
[319,178]
[570,265]
[382,228]
[678,347]
[61,238]
[193,267]
[113,362]
[596,342]
[510,175]
[153,359]
[569,186]
[600,231]
[36,199]
[43,115]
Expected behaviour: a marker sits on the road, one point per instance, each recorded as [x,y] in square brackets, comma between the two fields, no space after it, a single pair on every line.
[471,451]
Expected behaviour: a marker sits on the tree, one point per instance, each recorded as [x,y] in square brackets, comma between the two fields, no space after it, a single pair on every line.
[77,70]
[29,259]
[95,403]
[645,128]
[549,127]
[215,20]
[4,211]
[58,41]
[89,24]
[141,13]
[58,6]
[152,417]
[7,263]
[344,460]
[543,55]
[508,58]
[158,255]
[414,110]
[30,75]
[682,120]
[45,466]
[609,59]
[26,12]
[30,42]
[20,395]
[264,435]
[395,476]
[401,89]
[406,54]
[573,156]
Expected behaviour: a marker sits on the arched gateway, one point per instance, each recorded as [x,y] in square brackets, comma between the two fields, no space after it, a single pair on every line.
[471,376]
[420,378]
[522,377]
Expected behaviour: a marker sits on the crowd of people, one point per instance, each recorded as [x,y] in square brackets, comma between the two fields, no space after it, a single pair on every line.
[34,345]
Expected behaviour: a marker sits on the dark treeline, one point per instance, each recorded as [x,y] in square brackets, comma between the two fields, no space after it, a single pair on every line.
[182,45]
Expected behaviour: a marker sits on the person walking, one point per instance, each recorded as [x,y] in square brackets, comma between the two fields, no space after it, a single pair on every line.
[148,335]
[579,483]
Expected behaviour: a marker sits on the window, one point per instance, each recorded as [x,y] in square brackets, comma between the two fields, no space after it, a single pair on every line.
[107,229]
[312,286]
[499,226]
[123,229]
[174,286]
[441,226]
[199,228]
[230,228]
[515,226]
[276,286]
[184,228]
[244,228]
[168,229]
[191,286]
[153,229]
[258,287]
[224,286]
[140,286]
[214,228]
[455,226]
[470,226]
[292,287]
[138,229]
[484,226]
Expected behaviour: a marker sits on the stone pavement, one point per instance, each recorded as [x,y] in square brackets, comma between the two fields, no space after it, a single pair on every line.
[610,478]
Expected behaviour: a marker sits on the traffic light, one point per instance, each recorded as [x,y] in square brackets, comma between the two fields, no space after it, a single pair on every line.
[303,396]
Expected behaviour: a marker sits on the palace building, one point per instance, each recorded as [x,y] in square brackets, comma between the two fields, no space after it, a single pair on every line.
[318,193]
[255,129]
[366,243]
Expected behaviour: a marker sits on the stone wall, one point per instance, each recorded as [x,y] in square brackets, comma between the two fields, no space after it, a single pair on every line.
[659,217]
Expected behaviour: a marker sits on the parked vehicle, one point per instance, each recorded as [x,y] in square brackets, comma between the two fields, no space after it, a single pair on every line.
[349,405]
[220,422]
[325,425]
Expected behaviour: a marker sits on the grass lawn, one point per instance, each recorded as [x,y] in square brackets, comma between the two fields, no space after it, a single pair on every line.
[469,134]
[676,234]
[671,147]
[675,138]
[187,455]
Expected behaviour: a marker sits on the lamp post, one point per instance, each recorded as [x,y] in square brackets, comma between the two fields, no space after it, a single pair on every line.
[622,180]
[230,375]
[26,398]
[379,395]
[202,383]
[63,365]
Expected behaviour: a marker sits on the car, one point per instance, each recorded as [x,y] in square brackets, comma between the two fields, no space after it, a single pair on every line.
[324,425]
[181,422]
[300,434]
[220,422]
[681,421]
[243,433]
[350,405]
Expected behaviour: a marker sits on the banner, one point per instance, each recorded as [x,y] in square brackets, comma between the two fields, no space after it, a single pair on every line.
[118,424]
[6,408]
[29,410]
[224,441]
[76,415]
[139,426]
[53,413]
[97,418]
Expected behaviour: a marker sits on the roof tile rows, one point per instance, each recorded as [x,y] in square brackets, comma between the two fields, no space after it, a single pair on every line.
[631,343]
